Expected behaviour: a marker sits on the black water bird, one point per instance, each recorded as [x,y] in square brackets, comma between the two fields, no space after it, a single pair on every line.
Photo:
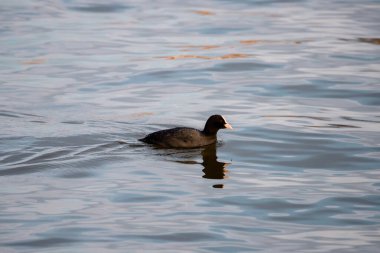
[185,137]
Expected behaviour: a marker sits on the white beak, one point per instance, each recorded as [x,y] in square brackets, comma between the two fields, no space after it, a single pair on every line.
[228,126]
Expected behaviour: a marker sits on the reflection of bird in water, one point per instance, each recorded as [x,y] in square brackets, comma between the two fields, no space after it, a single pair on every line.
[213,169]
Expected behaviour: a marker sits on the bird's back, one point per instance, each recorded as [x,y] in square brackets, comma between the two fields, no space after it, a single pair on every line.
[179,137]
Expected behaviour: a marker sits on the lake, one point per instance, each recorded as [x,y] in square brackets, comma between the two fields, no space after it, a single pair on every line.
[82,81]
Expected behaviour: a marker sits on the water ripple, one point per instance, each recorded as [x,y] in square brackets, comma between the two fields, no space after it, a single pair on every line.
[83,81]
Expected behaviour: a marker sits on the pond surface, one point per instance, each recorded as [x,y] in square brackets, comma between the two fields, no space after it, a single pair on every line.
[81,81]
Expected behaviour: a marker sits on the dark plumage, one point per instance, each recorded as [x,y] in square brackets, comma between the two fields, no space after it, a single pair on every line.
[184,137]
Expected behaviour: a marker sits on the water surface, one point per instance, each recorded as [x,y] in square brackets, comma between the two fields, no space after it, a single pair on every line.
[81,81]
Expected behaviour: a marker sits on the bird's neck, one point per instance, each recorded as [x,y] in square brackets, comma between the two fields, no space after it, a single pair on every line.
[210,131]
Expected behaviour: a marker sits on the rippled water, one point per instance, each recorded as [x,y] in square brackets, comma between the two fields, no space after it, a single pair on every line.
[81,81]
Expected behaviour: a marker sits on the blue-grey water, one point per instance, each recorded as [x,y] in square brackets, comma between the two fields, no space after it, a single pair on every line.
[81,81]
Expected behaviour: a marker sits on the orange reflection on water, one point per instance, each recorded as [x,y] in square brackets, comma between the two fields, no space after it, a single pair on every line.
[204,13]
[252,42]
[222,57]
[232,56]
[139,115]
[34,61]
[375,41]
[200,47]
[249,42]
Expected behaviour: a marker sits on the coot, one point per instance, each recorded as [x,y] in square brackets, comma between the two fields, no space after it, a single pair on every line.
[185,137]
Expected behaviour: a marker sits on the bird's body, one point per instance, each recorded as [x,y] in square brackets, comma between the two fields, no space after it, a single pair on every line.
[179,137]
[185,137]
